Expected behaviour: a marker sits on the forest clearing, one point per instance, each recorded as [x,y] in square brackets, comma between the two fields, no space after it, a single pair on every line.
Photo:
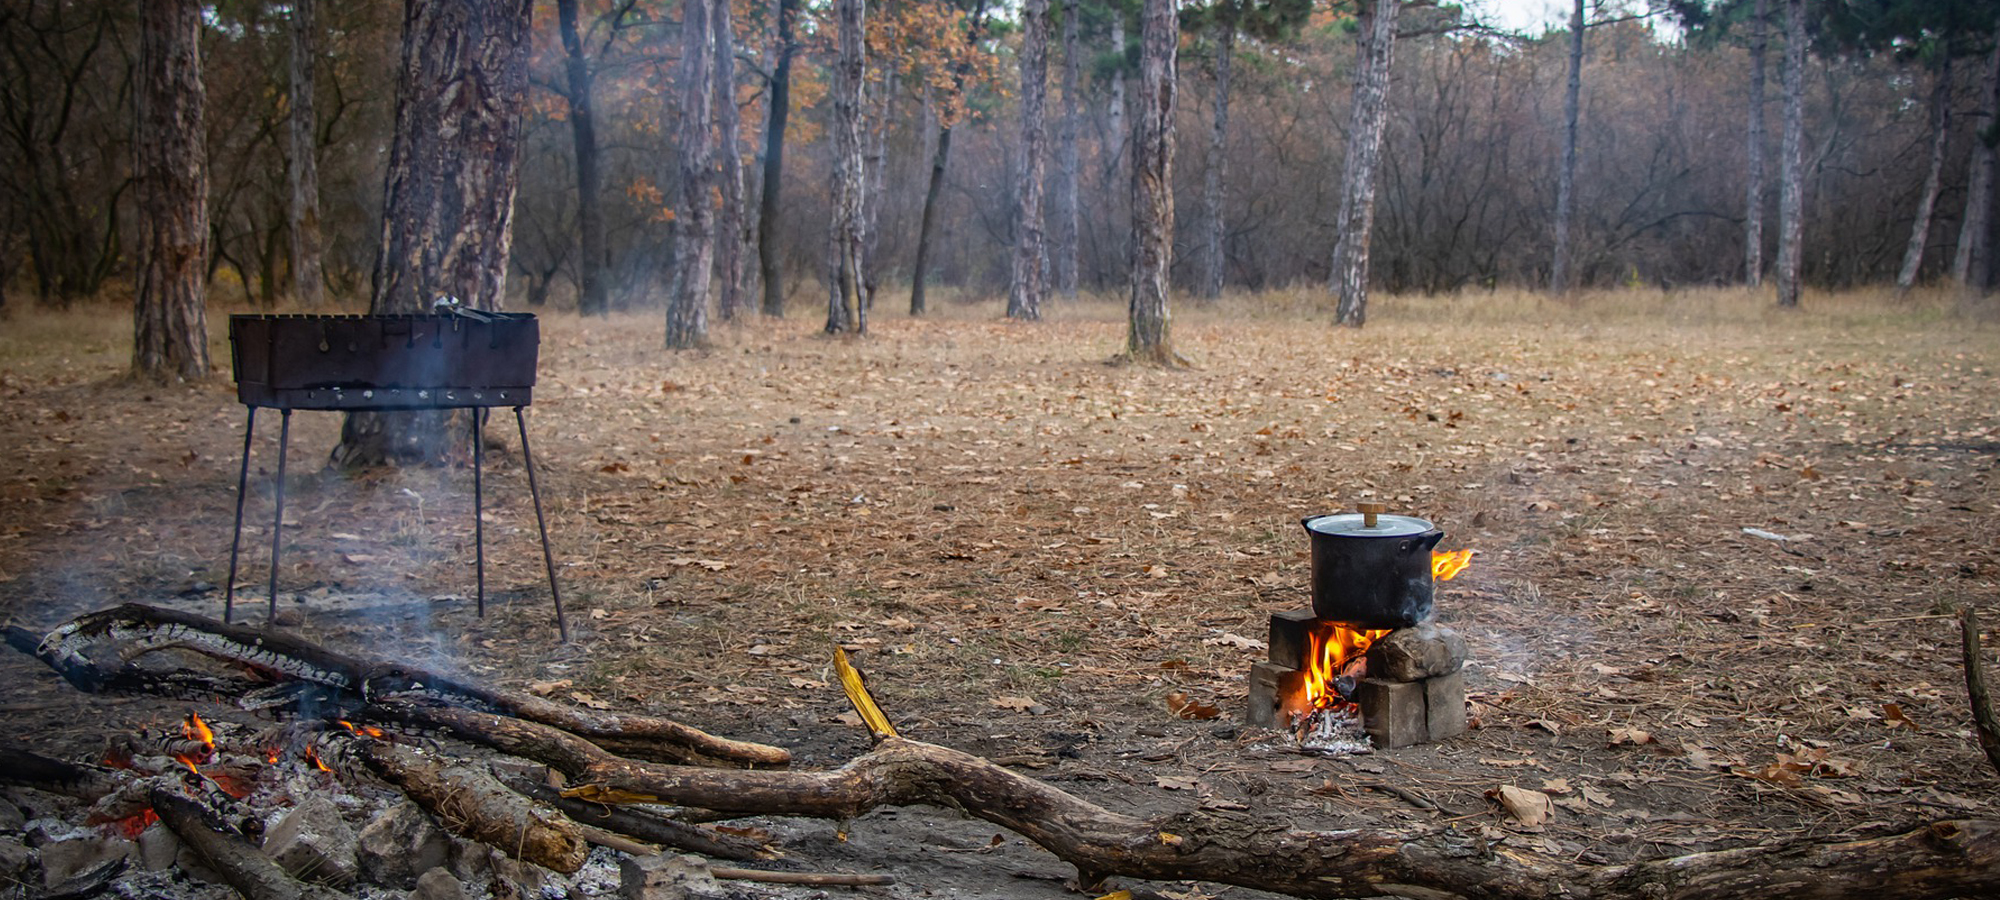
[1719,548]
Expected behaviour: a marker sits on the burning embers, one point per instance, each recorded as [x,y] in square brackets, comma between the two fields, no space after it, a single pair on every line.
[1330,682]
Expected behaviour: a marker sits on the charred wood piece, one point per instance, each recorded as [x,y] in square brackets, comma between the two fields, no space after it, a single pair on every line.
[20,768]
[243,866]
[641,825]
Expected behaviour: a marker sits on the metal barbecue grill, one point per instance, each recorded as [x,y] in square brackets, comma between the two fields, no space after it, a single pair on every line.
[460,358]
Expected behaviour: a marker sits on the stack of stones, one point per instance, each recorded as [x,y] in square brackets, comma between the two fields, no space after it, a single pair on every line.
[1414,691]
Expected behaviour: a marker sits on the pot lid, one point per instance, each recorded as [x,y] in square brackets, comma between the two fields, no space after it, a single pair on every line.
[1355,525]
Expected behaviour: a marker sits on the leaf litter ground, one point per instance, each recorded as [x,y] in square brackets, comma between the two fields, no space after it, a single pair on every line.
[1718,549]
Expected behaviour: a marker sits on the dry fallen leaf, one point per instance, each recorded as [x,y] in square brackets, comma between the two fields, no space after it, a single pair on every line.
[1018,704]
[1176,782]
[1185,707]
[545,688]
[1628,735]
[1892,713]
[586,699]
[1530,808]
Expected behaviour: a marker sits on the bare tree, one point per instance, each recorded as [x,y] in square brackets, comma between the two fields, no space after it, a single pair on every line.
[170,326]
[1920,226]
[694,213]
[951,109]
[1149,337]
[1066,218]
[1753,140]
[1566,178]
[1218,154]
[583,134]
[1970,265]
[846,310]
[308,278]
[774,160]
[448,205]
[1027,291]
[1791,162]
[1376,39]
[731,237]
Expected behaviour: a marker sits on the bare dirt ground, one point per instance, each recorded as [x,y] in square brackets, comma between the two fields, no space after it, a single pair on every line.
[1028,549]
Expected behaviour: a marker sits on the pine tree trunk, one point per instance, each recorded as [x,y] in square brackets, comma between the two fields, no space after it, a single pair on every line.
[951,109]
[169,320]
[308,276]
[875,191]
[1753,140]
[1559,275]
[448,206]
[1970,266]
[1025,295]
[1118,139]
[1149,338]
[1218,167]
[1356,218]
[1920,227]
[694,214]
[774,161]
[583,136]
[1067,218]
[730,237]
[845,308]
[1791,163]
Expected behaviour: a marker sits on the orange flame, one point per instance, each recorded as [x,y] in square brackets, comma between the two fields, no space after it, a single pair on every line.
[314,759]
[1446,564]
[362,730]
[1330,648]
[194,729]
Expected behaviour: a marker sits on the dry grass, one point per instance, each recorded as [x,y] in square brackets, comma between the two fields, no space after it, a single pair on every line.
[987,513]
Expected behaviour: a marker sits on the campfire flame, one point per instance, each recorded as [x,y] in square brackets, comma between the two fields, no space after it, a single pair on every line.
[315,760]
[1331,649]
[368,731]
[1446,564]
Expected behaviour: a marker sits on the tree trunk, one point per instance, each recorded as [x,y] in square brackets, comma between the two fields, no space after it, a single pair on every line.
[1025,294]
[1920,227]
[1118,139]
[308,276]
[1559,275]
[448,206]
[1753,140]
[951,108]
[1218,165]
[1791,163]
[1970,266]
[845,308]
[1067,217]
[590,298]
[731,240]
[1356,218]
[169,321]
[694,214]
[774,161]
[1149,338]
[874,191]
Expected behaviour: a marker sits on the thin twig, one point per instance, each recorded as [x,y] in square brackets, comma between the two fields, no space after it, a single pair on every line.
[1988,726]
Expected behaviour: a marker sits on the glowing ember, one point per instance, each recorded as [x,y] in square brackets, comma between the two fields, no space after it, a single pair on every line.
[1446,564]
[194,729]
[314,759]
[362,730]
[131,827]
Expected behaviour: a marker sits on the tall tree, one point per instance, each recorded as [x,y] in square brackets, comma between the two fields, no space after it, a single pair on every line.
[774,159]
[1027,290]
[583,136]
[170,325]
[1375,38]
[1920,225]
[1566,177]
[951,109]
[308,276]
[448,204]
[1149,336]
[1212,258]
[1970,266]
[1068,157]
[731,238]
[846,310]
[1753,141]
[1791,161]
[694,213]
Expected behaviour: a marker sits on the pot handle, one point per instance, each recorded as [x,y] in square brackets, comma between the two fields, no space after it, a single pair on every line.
[1429,541]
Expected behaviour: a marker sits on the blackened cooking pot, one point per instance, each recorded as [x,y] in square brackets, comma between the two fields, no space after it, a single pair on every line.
[1371,570]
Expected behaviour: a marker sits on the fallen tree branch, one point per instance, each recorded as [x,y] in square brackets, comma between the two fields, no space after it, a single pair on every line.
[634,824]
[1945,859]
[1983,718]
[767,876]
[244,867]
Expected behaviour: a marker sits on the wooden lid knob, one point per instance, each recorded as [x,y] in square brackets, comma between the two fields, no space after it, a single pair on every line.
[1369,511]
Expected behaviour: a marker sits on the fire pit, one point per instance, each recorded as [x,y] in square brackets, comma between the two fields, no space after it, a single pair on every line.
[460,358]
[1366,658]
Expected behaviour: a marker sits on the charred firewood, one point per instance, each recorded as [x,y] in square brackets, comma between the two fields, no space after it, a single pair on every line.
[137,629]
[641,825]
[243,866]
[468,802]
[20,768]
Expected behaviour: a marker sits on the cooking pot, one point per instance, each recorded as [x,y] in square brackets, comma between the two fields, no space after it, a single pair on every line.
[1371,570]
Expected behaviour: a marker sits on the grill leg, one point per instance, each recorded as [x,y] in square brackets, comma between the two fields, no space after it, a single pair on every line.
[478,506]
[236,537]
[278,518]
[548,557]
